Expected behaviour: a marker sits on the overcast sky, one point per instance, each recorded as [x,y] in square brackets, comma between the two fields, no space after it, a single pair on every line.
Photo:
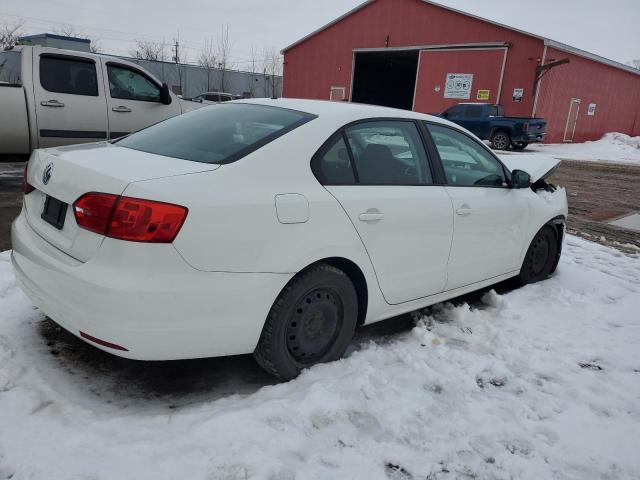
[607,27]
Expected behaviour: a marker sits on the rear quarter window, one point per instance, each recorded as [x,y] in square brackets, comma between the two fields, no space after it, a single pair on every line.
[221,133]
[10,69]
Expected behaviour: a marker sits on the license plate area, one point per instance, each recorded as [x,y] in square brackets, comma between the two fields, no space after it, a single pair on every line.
[54,212]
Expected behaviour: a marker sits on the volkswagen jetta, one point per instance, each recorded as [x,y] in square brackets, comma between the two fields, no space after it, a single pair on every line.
[275,227]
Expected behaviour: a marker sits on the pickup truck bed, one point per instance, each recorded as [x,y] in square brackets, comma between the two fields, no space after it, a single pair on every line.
[488,122]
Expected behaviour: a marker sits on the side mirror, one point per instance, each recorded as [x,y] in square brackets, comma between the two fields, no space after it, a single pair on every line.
[520,179]
[165,96]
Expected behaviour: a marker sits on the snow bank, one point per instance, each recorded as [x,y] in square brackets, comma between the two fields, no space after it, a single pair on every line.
[612,147]
[540,382]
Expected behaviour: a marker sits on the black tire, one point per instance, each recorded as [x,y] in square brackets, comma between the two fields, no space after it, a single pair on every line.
[312,321]
[520,145]
[500,140]
[541,257]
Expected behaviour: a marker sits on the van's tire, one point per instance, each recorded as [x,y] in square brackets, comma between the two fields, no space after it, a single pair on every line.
[312,321]
[541,257]
[520,145]
[500,140]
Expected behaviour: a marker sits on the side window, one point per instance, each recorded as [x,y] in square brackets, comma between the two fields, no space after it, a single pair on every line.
[388,152]
[334,167]
[493,111]
[67,75]
[212,97]
[454,111]
[466,163]
[474,111]
[128,84]
[225,98]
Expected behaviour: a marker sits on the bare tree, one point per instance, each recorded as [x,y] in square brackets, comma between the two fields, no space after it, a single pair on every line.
[9,34]
[207,59]
[71,31]
[273,69]
[223,53]
[149,50]
[634,63]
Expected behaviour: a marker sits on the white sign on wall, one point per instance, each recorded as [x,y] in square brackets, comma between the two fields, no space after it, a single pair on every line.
[591,111]
[518,93]
[458,85]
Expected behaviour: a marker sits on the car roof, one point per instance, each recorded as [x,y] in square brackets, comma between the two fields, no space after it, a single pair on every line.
[342,110]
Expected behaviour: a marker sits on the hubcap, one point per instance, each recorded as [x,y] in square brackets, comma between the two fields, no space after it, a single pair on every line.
[500,141]
[314,326]
[539,255]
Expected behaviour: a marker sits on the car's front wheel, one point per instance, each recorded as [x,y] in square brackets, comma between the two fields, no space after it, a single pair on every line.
[541,257]
[312,321]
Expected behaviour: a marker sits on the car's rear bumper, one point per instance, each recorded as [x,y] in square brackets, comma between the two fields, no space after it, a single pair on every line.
[144,298]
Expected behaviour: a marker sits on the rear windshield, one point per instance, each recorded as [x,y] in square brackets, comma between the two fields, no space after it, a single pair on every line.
[220,133]
[10,69]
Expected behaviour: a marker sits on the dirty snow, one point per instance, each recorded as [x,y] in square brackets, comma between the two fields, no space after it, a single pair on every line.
[537,383]
[612,147]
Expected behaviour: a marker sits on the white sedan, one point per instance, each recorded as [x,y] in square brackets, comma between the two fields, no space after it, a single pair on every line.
[275,227]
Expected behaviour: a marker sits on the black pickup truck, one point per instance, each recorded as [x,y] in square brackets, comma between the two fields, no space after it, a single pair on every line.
[488,122]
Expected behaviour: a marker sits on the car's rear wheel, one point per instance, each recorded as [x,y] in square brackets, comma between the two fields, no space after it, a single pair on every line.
[541,257]
[520,145]
[312,321]
[500,140]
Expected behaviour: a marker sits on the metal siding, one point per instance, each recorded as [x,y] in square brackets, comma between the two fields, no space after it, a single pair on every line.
[615,92]
[485,65]
[325,59]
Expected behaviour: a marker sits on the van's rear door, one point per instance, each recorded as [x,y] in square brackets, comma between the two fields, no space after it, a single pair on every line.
[70,99]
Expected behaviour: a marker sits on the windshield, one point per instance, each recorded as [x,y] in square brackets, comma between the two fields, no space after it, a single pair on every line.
[10,69]
[219,134]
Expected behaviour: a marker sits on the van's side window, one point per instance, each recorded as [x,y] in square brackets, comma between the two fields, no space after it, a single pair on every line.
[68,75]
[127,84]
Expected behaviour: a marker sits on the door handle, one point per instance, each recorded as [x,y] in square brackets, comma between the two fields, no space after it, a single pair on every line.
[372,215]
[121,109]
[52,103]
[464,211]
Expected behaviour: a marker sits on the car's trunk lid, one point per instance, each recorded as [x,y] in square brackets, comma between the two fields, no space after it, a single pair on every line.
[67,173]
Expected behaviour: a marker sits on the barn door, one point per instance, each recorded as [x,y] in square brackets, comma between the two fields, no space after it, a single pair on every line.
[447,77]
[572,120]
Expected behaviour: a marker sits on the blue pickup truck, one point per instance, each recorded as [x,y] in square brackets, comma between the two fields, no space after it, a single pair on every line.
[488,122]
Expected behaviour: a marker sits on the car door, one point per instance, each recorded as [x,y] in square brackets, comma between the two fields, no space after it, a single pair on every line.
[380,173]
[489,216]
[69,98]
[133,99]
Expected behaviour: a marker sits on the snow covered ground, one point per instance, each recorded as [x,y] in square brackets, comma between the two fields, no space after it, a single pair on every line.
[612,147]
[537,383]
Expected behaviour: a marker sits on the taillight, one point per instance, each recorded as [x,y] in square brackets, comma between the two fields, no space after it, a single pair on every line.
[525,127]
[93,211]
[26,186]
[127,218]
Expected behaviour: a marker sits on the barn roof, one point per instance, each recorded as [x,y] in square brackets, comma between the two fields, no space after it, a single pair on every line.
[547,41]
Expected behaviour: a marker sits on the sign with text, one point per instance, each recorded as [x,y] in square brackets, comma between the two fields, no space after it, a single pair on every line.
[458,85]
[483,95]
[518,93]
[591,111]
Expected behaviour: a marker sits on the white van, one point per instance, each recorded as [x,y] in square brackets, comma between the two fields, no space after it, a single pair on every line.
[51,97]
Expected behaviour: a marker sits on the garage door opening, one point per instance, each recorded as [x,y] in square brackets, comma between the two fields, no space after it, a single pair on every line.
[385,78]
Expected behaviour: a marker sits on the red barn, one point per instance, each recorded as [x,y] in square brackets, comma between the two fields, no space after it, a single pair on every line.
[416,54]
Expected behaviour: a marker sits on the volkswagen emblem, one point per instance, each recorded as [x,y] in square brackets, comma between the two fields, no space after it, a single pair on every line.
[46,175]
